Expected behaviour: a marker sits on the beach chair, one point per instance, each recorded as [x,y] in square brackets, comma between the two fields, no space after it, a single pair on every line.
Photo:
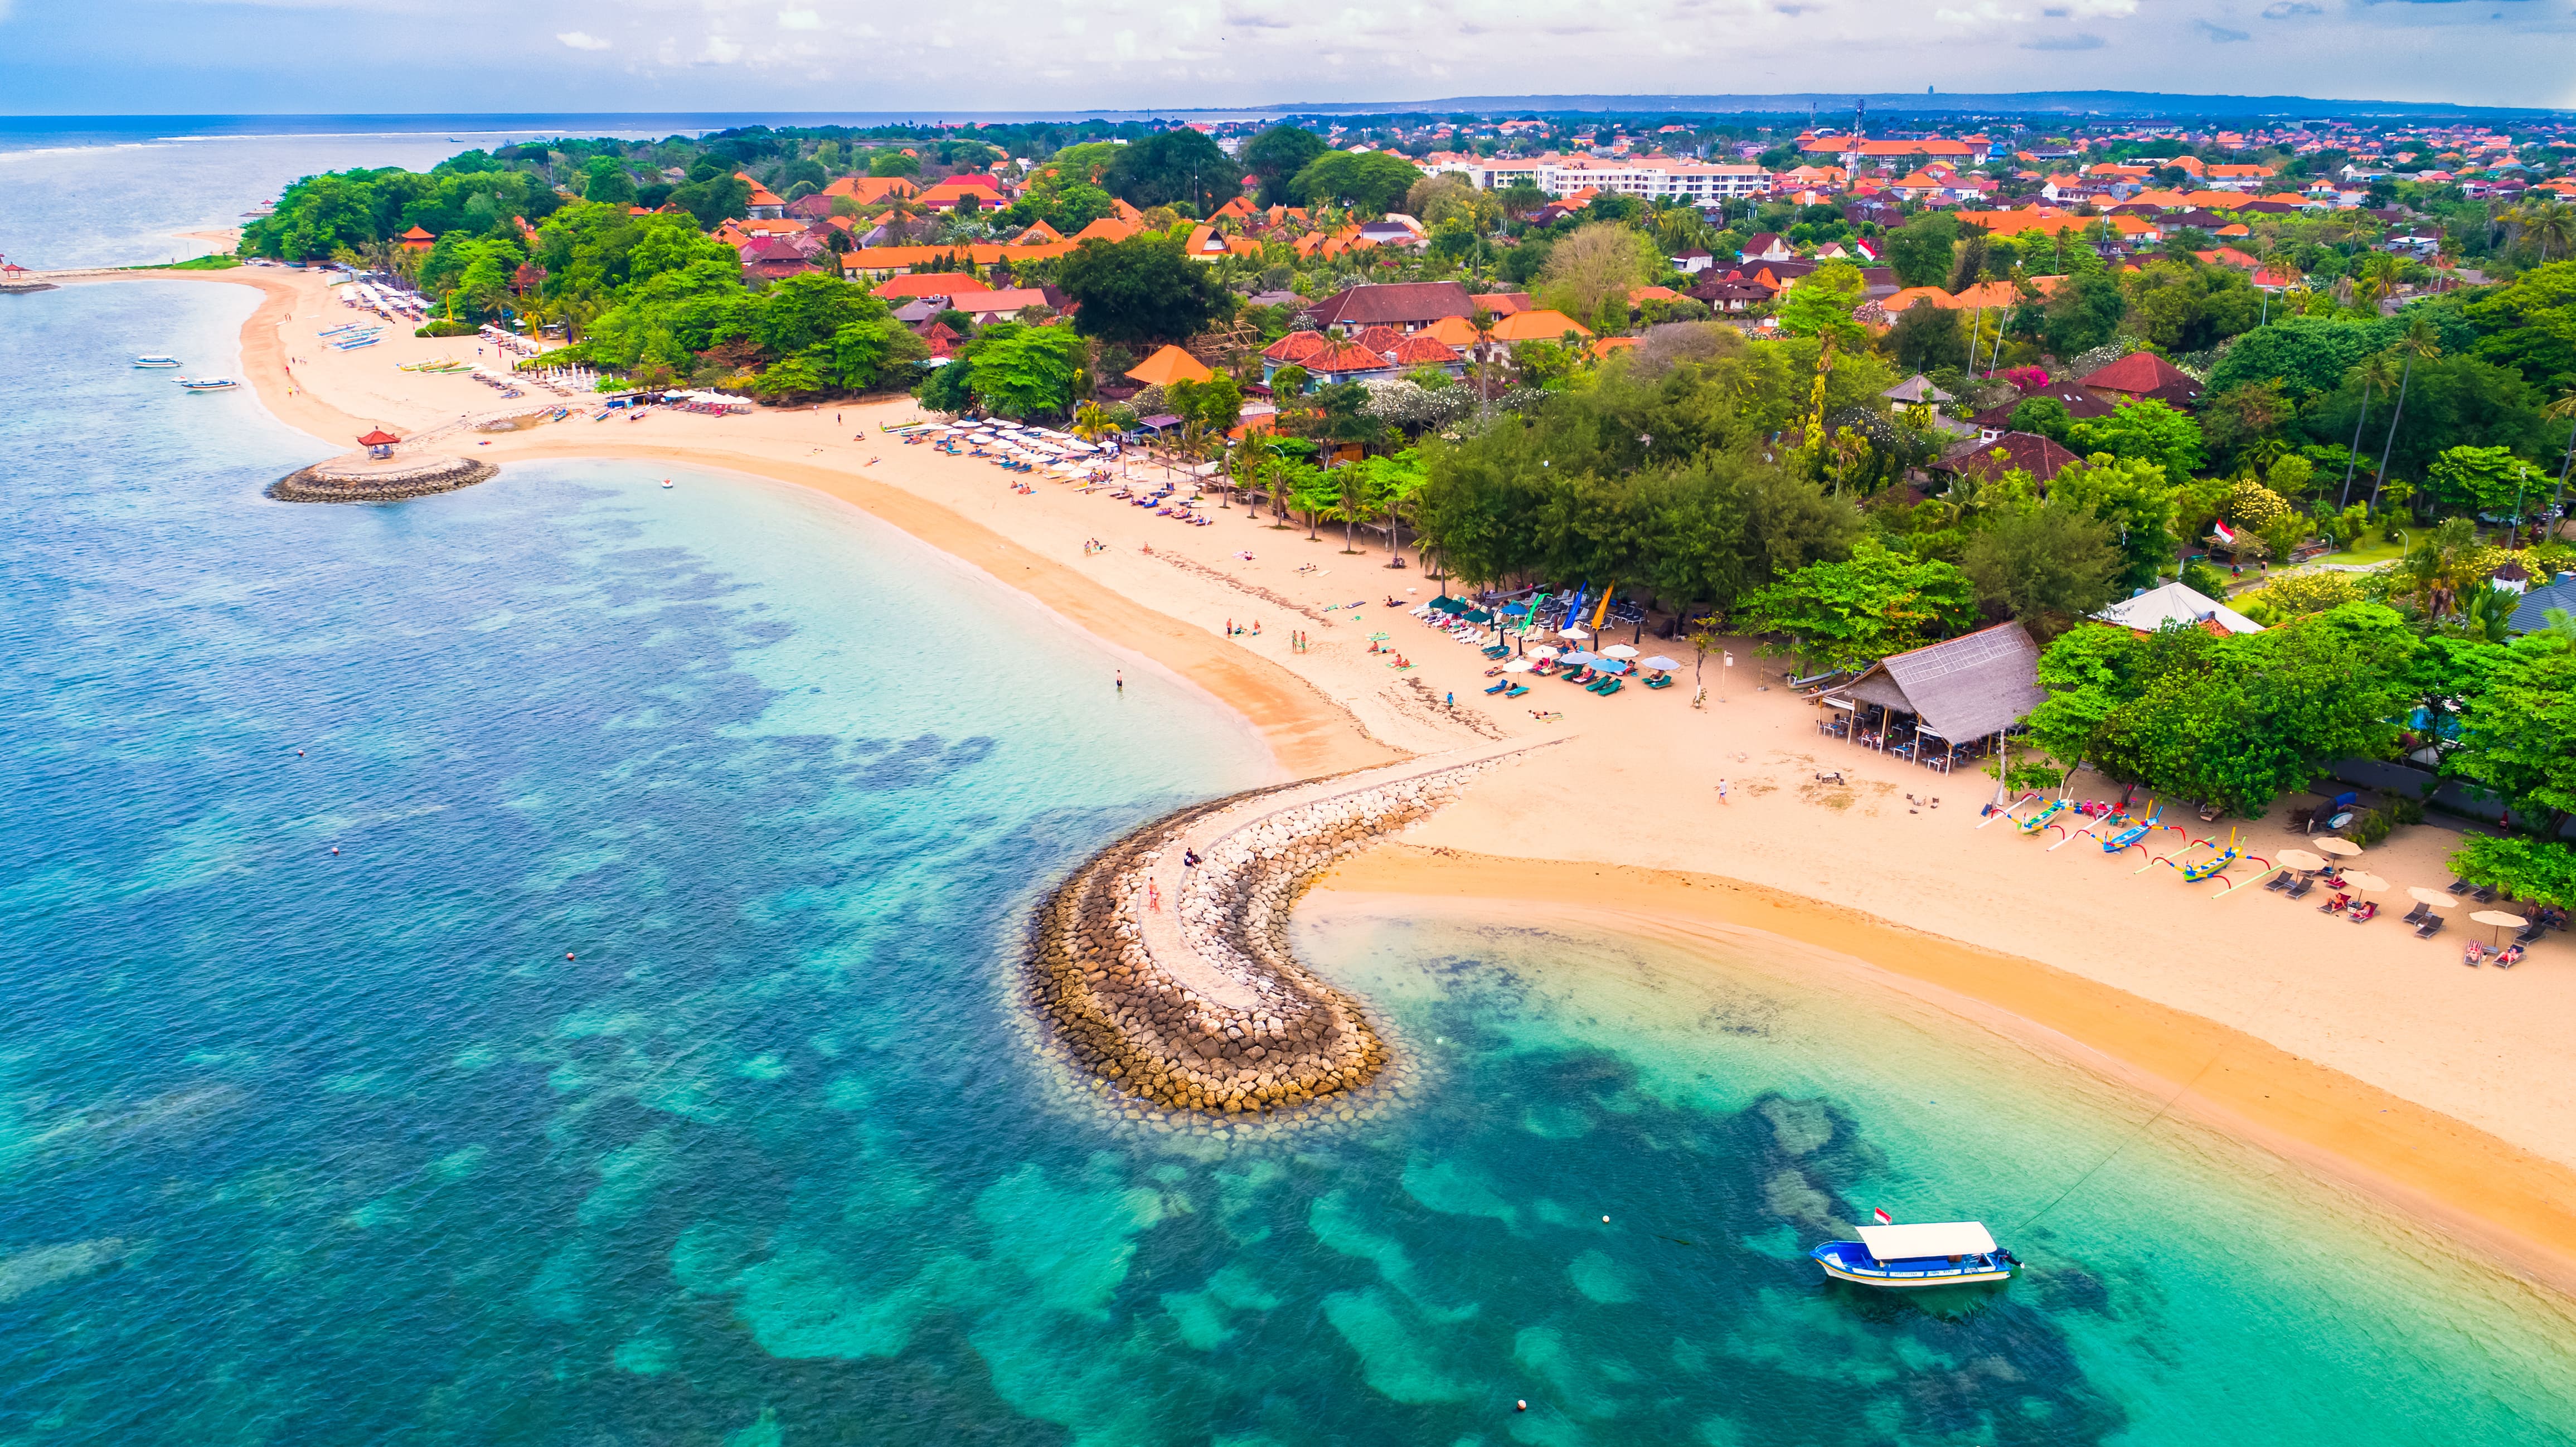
[2279,882]
[1515,691]
[2431,927]
[2300,889]
[1609,686]
[2364,912]
[1660,680]
[1499,650]
[1498,688]
[2420,913]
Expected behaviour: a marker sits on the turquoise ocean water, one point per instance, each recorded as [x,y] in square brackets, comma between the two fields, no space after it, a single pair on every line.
[315,1148]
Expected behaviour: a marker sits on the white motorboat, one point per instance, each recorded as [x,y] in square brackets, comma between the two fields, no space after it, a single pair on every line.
[1942,1253]
[208,384]
[156,362]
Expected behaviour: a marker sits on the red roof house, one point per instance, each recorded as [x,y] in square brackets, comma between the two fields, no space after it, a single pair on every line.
[2142,375]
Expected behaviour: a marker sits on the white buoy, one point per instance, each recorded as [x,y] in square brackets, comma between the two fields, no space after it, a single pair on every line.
[1518,1406]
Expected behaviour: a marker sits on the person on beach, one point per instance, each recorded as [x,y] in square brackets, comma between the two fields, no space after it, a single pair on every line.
[1451,701]
[1721,792]
[1121,675]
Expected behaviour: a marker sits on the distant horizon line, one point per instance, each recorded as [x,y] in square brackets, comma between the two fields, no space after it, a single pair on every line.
[2072,104]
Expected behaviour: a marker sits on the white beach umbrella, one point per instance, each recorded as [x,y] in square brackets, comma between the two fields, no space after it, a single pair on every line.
[2433,897]
[1618,650]
[1659,663]
[2501,919]
[1520,665]
[2300,859]
[1575,631]
[1543,651]
[2366,883]
[2344,847]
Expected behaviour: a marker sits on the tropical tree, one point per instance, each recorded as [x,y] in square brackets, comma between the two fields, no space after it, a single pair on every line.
[1852,613]
[2418,345]
[2518,737]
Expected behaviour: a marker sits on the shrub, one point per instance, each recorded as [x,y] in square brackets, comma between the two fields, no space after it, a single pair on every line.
[442,327]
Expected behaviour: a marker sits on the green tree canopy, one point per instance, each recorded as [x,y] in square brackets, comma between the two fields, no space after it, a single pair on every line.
[1852,613]
[1277,155]
[1174,166]
[2147,431]
[1141,290]
[1823,301]
[2518,736]
[1368,182]
[2048,567]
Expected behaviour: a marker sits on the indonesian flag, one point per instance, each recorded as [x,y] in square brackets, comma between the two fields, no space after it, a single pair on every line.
[2225,533]
[1881,1217]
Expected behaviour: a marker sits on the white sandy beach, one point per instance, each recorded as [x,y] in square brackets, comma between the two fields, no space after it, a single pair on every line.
[2361,1046]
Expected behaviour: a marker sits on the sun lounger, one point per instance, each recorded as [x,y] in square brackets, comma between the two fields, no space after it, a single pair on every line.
[1660,680]
[2363,913]
[1498,688]
[2420,913]
[1515,691]
[2430,927]
[2300,889]
[1608,687]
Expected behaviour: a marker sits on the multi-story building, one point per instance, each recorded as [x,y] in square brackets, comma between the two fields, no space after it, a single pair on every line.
[1645,177]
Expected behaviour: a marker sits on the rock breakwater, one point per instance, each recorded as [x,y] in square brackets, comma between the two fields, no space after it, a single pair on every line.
[360,478]
[1174,983]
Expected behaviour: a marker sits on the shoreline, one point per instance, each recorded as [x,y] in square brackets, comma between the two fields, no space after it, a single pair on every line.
[2469,1181]
[2508,1204]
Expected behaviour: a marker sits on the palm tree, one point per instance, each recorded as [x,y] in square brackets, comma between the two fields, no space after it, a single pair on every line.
[1255,455]
[2563,410]
[2551,223]
[2419,342]
[2372,372]
[1354,487]
[1091,422]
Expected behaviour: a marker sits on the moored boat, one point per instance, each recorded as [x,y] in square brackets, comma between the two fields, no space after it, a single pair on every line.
[1943,1253]
[208,384]
[156,362]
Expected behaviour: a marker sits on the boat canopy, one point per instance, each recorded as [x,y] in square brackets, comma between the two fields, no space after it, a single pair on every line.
[1913,1243]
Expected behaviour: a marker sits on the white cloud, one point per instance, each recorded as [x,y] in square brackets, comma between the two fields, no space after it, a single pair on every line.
[721,51]
[582,40]
[799,20]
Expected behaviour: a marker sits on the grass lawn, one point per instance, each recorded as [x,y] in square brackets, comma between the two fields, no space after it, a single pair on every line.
[2369,550]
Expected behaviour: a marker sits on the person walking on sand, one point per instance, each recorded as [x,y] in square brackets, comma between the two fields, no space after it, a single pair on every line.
[1121,675]
[1721,793]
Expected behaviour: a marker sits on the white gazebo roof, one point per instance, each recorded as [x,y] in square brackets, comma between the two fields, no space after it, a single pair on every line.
[2174,603]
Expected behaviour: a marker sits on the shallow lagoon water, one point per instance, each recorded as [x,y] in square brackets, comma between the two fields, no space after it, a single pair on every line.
[304,1147]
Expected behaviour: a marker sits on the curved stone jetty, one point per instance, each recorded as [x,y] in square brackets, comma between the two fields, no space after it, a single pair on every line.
[1175,983]
[357,477]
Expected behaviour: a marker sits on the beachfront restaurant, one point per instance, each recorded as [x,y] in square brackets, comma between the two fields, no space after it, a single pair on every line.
[1940,704]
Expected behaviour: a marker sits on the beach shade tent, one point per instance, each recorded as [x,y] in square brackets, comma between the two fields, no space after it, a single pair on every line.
[1959,689]
[2342,847]
[2501,920]
[1618,650]
[1169,365]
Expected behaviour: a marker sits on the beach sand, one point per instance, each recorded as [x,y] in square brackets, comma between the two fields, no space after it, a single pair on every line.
[2358,1049]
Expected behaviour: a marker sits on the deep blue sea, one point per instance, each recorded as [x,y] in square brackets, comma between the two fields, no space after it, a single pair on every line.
[641,1067]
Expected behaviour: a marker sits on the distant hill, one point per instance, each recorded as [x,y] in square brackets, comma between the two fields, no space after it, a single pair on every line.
[1839,104]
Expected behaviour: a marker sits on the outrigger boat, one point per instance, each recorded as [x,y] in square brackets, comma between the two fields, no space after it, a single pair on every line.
[1947,1253]
[208,384]
[156,362]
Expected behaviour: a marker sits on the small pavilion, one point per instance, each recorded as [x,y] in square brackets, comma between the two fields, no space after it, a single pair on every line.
[379,443]
[1170,365]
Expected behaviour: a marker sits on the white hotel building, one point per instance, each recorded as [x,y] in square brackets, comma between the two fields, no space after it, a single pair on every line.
[1645,177]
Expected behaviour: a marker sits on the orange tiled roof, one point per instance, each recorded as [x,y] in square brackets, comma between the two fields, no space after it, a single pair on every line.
[1421,349]
[929,283]
[1169,365]
[1537,326]
[1297,347]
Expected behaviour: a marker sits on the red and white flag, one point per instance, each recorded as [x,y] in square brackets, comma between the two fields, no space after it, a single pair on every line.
[1881,1217]
[2225,533]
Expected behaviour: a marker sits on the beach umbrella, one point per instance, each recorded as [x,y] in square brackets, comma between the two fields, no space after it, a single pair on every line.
[1514,609]
[1546,650]
[2344,847]
[1574,631]
[1519,665]
[1579,658]
[1614,665]
[2366,883]
[1618,650]
[2501,920]
[2301,859]
[2433,897]
[1659,663]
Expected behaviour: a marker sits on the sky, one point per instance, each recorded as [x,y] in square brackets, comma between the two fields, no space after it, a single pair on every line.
[470,56]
